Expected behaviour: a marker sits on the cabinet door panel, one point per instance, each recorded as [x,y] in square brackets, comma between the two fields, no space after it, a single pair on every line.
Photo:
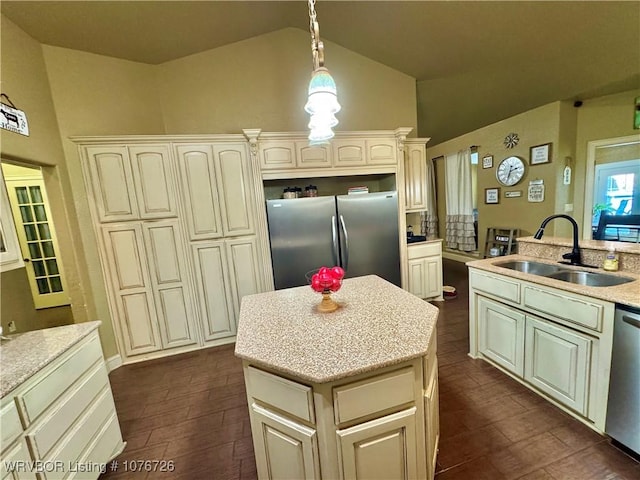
[277,155]
[312,156]
[200,191]
[381,152]
[557,362]
[214,290]
[166,257]
[416,177]
[501,334]
[417,278]
[284,449]
[19,453]
[127,265]
[433,272]
[347,153]
[112,183]
[234,187]
[154,180]
[381,449]
[243,269]
[432,415]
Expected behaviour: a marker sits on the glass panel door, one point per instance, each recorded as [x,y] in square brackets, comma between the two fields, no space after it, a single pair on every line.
[36,235]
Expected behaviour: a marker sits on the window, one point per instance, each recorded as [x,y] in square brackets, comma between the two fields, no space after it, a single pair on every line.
[10,256]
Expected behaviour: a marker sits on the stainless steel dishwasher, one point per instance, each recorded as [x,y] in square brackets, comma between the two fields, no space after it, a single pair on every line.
[623,408]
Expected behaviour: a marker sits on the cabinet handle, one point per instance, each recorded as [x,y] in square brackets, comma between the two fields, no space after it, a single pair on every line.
[345,264]
[634,322]
[334,237]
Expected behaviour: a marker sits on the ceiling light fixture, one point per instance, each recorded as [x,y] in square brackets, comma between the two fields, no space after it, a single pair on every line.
[322,104]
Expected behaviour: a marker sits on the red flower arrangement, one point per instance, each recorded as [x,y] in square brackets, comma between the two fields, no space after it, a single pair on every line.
[327,280]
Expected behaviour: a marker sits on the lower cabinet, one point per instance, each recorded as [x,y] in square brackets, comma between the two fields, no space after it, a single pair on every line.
[382,424]
[425,270]
[61,422]
[564,356]
[381,448]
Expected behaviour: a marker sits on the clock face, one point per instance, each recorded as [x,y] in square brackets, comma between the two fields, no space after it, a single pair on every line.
[510,171]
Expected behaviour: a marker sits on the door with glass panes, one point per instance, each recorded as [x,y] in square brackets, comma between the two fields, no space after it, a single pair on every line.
[37,238]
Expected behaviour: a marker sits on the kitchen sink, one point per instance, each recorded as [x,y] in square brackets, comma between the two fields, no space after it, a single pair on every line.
[590,279]
[534,268]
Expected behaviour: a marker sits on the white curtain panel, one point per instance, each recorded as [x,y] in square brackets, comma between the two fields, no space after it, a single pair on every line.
[459,222]
[430,216]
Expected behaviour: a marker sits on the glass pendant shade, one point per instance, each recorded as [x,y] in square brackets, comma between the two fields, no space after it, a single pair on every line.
[322,105]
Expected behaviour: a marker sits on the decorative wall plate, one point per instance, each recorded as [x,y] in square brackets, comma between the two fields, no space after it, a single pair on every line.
[511,140]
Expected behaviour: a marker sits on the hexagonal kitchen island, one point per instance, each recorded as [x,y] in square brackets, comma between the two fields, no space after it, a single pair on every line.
[349,394]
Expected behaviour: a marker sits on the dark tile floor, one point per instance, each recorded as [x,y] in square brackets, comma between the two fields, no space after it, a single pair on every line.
[191,410]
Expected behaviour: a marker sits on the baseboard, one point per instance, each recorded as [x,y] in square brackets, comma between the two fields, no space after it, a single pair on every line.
[449,255]
[114,362]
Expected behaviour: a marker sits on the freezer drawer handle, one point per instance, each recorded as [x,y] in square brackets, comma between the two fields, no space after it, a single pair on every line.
[334,237]
[631,321]
[345,264]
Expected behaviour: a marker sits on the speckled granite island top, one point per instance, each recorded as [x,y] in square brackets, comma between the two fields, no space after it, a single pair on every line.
[28,353]
[377,324]
[626,293]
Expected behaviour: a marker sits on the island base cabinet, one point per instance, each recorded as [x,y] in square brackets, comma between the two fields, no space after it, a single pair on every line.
[501,335]
[284,449]
[380,449]
[557,362]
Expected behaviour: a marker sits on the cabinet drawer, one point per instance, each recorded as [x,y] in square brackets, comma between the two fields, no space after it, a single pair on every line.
[499,287]
[564,306]
[372,395]
[82,434]
[10,426]
[36,400]
[424,250]
[19,453]
[106,445]
[49,431]
[288,396]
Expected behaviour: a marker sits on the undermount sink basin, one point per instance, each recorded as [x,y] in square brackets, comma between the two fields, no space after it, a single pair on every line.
[590,279]
[534,268]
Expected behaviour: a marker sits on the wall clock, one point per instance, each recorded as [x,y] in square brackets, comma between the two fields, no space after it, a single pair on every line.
[511,140]
[510,171]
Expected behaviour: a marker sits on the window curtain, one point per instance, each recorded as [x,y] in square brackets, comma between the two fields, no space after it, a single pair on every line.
[429,218]
[460,233]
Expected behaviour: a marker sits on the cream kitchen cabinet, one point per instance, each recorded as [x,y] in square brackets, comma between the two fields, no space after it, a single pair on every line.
[312,156]
[381,152]
[349,152]
[131,183]
[148,274]
[425,269]
[556,342]
[217,189]
[226,270]
[61,421]
[415,171]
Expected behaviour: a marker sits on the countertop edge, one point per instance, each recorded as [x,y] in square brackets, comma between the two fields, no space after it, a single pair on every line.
[22,375]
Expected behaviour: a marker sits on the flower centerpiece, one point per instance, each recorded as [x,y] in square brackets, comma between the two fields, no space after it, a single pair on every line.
[327,280]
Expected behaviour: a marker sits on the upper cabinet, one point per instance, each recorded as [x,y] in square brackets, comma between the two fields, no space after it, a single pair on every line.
[131,183]
[216,185]
[349,152]
[415,172]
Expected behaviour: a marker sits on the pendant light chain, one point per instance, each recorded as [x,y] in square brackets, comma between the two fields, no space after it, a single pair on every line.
[317,49]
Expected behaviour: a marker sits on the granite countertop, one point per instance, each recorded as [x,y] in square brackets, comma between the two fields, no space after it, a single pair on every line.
[377,325]
[28,353]
[627,293]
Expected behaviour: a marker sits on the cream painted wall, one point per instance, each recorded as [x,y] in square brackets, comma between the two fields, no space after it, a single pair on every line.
[98,95]
[535,127]
[600,118]
[24,79]
[262,83]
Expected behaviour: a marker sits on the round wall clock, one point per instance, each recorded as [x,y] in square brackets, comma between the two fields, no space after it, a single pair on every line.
[510,171]
[511,140]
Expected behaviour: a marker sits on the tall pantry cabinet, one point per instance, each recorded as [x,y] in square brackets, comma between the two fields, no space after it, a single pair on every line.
[176,235]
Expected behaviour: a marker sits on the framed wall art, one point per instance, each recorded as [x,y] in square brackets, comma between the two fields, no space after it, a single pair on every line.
[487,161]
[540,154]
[491,195]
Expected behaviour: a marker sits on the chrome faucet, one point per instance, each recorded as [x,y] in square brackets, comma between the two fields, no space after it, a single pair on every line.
[574,256]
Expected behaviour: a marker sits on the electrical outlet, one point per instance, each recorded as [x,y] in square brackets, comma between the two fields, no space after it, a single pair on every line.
[12,326]
[568,207]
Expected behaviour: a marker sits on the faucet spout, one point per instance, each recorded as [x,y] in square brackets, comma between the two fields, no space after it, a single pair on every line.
[574,256]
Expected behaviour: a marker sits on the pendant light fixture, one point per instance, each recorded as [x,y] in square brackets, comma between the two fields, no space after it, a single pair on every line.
[322,103]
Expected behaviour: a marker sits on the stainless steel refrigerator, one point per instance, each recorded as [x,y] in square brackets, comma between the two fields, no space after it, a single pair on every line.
[359,232]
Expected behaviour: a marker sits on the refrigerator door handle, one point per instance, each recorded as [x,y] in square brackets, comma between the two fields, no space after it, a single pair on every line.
[345,263]
[334,238]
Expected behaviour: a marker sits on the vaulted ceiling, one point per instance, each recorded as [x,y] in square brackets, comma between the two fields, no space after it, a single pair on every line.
[475,62]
